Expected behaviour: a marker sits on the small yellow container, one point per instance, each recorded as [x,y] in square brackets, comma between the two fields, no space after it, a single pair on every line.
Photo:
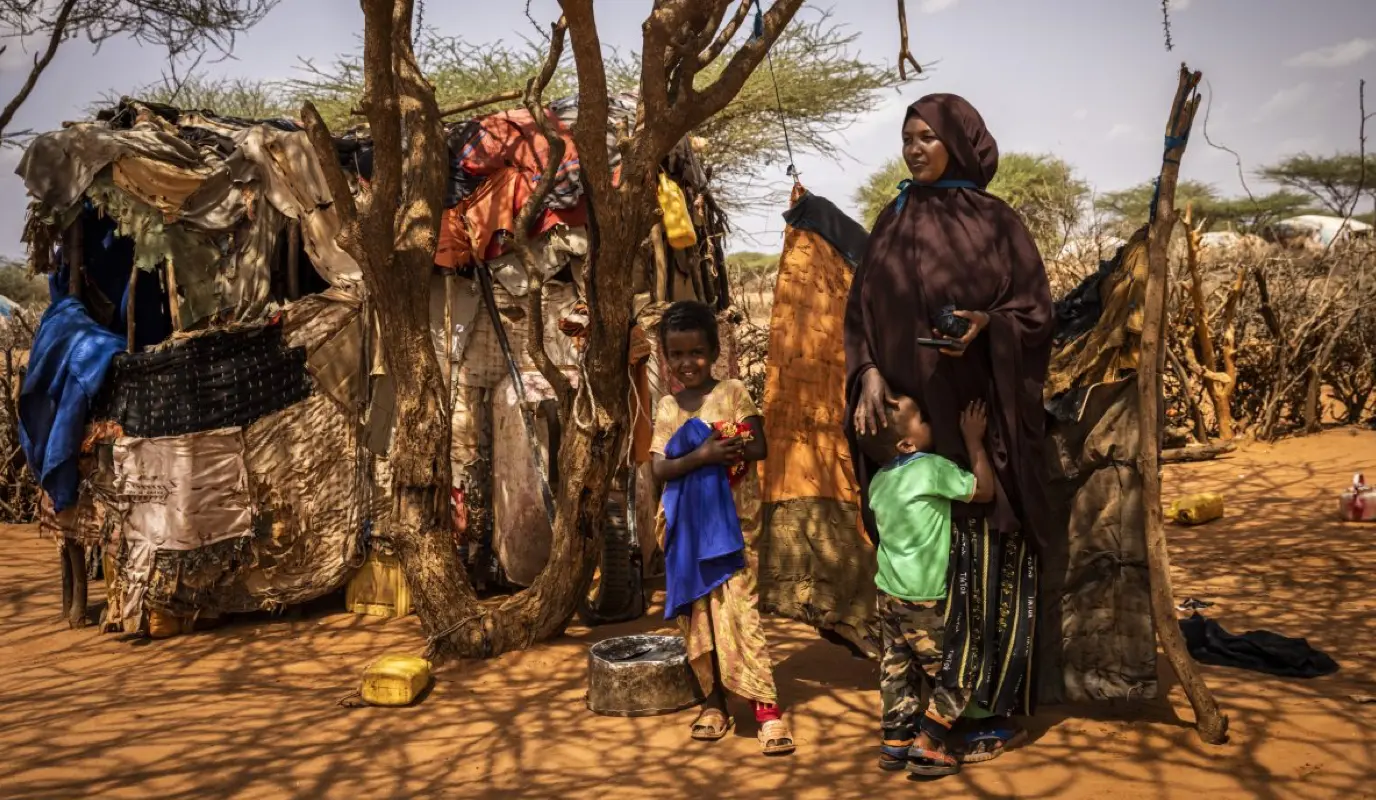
[678,223]
[379,588]
[1196,509]
[395,680]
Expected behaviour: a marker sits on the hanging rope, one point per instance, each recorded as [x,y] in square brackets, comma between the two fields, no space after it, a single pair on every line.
[778,95]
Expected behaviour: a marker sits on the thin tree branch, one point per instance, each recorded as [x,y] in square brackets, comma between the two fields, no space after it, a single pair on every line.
[350,237]
[727,85]
[727,34]
[535,339]
[590,132]
[905,55]
[490,100]
[40,63]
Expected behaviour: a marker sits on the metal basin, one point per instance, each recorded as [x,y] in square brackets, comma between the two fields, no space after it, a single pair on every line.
[640,676]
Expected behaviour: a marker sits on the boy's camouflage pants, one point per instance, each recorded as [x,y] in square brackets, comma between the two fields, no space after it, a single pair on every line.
[913,635]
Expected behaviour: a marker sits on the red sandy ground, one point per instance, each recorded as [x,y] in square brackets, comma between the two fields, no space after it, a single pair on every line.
[249,710]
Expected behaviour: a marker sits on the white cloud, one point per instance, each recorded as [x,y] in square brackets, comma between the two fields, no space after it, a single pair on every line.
[1335,55]
[1285,101]
[1180,5]
[937,6]
[1080,115]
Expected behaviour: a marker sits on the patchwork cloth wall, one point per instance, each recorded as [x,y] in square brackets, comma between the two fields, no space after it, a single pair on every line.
[817,565]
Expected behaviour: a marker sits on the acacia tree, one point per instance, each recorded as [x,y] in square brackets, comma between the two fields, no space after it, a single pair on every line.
[392,230]
[824,85]
[1334,181]
[1129,208]
[180,27]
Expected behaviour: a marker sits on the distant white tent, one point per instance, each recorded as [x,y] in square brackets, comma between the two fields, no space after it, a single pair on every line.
[1099,247]
[1321,229]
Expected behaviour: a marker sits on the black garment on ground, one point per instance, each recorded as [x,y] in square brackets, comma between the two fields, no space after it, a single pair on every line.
[1260,651]
[821,216]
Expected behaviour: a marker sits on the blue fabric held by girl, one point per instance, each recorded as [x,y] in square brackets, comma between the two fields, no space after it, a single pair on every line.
[703,545]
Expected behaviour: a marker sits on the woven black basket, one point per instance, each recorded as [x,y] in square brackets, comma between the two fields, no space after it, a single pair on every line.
[218,380]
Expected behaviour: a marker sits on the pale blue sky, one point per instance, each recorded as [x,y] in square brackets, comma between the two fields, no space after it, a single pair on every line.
[1088,80]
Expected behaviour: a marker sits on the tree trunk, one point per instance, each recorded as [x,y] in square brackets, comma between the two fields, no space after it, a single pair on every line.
[1211,725]
[395,252]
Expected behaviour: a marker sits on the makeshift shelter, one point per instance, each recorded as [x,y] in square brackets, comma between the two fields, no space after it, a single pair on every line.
[207,404]
[1095,588]
[1096,639]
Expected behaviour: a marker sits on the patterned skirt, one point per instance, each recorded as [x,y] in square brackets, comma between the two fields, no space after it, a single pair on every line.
[991,614]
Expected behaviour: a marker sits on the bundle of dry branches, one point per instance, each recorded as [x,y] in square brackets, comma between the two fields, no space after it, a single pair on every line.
[18,492]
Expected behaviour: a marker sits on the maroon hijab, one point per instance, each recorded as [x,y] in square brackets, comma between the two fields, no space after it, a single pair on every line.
[964,247]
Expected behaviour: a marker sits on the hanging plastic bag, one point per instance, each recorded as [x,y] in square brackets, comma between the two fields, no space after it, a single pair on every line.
[678,225]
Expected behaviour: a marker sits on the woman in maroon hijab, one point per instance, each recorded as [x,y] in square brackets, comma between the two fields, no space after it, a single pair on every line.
[945,243]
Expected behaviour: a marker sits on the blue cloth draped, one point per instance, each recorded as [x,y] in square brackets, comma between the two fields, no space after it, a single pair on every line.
[70,357]
[703,545]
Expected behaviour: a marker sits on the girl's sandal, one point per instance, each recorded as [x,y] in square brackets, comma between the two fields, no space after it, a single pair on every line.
[894,757]
[711,725]
[932,763]
[775,738]
[988,745]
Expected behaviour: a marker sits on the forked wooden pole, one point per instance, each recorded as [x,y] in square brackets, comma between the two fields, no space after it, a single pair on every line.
[1210,723]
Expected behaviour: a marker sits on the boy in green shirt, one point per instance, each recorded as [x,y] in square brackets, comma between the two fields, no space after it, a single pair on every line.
[911,498]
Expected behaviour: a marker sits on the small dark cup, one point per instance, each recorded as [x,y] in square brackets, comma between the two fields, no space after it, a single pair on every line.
[950,325]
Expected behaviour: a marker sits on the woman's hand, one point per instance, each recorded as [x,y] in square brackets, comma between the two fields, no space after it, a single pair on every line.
[871,413]
[978,322]
[719,450]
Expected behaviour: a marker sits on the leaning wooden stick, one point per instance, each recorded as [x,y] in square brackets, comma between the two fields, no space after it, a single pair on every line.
[1210,723]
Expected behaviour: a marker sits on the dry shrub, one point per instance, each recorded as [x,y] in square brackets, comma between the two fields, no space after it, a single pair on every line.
[18,492]
[1304,332]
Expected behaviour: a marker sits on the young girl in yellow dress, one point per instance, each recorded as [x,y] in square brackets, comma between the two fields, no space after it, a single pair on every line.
[725,640]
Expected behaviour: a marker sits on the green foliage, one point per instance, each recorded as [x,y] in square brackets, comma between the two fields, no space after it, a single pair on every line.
[751,267]
[1248,215]
[1042,188]
[230,97]
[824,87]
[22,286]
[460,70]
[1129,208]
[879,189]
[1333,181]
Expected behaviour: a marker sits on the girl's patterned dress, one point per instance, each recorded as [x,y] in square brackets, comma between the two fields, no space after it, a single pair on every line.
[727,620]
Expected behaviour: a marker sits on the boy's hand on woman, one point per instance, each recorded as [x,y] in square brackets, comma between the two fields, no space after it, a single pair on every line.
[974,421]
